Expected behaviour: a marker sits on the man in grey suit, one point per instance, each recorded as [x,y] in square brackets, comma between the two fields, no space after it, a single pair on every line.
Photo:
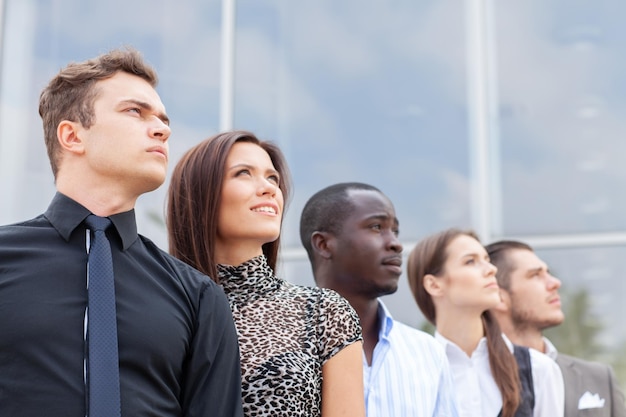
[530,304]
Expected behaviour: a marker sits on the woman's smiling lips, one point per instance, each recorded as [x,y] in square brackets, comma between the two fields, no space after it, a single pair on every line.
[266,208]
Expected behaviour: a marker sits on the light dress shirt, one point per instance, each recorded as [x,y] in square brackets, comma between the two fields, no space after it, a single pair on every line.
[551,351]
[477,394]
[409,376]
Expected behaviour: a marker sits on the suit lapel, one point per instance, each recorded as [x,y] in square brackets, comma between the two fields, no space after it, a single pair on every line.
[572,382]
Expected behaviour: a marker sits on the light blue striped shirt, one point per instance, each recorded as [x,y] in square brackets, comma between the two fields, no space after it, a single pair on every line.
[409,376]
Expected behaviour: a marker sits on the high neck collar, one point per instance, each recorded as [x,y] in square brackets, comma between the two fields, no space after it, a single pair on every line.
[252,276]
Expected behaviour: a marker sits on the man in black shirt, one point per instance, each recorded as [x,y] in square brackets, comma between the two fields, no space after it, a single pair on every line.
[106,132]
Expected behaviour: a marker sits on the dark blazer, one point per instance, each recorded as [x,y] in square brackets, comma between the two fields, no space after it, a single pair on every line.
[582,377]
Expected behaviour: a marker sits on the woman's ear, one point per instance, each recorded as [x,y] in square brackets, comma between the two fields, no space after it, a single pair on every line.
[433,285]
[69,137]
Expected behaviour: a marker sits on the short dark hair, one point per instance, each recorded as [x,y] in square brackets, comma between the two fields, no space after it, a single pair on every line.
[499,254]
[195,195]
[71,94]
[326,211]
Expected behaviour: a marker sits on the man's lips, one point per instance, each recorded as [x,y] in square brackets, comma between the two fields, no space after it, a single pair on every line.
[555,300]
[394,263]
[159,150]
[393,260]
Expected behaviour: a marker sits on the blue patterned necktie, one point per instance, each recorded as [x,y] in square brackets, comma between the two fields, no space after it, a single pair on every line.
[103,374]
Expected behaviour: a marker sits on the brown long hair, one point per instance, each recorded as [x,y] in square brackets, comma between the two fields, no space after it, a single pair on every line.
[195,195]
[429,257]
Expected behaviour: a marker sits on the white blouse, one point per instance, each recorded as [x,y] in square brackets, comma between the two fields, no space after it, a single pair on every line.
[477,394]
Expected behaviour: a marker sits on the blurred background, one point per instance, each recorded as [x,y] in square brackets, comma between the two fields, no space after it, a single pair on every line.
[506,117]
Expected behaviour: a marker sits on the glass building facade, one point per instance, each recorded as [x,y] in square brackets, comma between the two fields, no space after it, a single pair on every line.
[506,117]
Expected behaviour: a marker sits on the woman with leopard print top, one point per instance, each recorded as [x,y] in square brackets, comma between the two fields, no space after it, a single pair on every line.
[300,347]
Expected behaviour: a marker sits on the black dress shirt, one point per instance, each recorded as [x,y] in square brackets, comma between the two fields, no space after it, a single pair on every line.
[178,347]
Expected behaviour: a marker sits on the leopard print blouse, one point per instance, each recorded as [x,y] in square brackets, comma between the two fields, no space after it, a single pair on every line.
[286,333]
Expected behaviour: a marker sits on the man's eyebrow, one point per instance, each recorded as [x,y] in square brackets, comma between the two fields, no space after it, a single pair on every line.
[534,270]
[383,217]
[147,106]
[378,217]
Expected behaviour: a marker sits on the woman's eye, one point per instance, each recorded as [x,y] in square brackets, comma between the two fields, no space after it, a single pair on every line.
[243,172]
[135,110]
[274,178]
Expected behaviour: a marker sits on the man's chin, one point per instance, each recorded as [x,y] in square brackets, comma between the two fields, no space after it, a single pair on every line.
[152,183]
[546,324]
[388,290]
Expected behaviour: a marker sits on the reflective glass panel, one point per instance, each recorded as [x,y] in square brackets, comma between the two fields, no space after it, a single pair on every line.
[352,92]
[40,37]
[562,97]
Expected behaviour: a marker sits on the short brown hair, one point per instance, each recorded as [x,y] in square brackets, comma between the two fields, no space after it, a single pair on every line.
[70,95]
[499,254]
[195,195]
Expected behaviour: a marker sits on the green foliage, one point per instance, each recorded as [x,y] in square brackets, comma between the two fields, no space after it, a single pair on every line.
[579,334]
[619,364]
[427,327]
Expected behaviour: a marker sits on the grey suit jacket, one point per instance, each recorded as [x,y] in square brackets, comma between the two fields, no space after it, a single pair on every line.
[580,376]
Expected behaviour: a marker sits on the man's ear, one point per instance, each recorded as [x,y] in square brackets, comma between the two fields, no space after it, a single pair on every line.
[68,135]
[323,244]
[505,302]
[433,285]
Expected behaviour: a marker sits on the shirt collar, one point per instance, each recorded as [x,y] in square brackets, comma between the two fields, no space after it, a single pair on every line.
[482,344]
[444,341]
[66,215]
[385,320]
[550,349]
[509,344]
